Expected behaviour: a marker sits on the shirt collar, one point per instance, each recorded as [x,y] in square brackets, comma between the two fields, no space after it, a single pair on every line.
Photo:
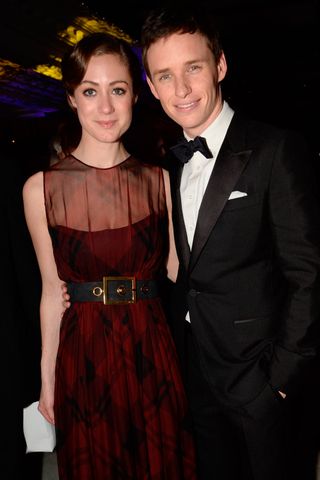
[215,133]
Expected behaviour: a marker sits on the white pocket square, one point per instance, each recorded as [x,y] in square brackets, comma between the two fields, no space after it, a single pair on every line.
[237,194]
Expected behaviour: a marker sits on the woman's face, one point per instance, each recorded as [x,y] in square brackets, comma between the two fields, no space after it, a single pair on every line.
[104,99]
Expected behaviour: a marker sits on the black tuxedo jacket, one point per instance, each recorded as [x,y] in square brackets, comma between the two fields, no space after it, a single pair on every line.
[251,280]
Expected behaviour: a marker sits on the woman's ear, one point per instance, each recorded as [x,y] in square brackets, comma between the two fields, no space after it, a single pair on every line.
[72,102]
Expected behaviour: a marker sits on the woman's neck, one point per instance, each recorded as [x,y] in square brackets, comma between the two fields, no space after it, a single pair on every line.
[102,155]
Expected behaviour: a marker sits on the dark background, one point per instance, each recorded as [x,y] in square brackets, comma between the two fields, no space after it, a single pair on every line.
[273,54]
[272,49]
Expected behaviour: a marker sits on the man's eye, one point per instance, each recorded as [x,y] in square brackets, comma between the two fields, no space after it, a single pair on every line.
[194,68]
[163,77]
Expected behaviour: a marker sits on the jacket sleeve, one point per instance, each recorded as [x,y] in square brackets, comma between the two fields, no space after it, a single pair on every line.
[295,222]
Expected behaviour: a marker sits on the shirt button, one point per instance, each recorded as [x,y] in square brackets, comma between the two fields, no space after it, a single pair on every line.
[193,292]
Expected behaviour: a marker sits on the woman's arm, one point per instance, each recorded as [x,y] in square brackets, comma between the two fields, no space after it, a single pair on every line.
[51,306]
[173,262]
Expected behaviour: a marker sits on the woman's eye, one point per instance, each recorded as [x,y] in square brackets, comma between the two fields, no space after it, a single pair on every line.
[90,92]
[118,91]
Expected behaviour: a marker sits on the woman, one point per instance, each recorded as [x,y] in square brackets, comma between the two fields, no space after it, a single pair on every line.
[99,220]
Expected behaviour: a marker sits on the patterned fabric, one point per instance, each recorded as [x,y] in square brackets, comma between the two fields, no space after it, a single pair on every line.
[120,406]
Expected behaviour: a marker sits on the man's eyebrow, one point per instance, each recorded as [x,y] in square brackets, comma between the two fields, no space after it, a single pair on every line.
[186,64]
[162,70]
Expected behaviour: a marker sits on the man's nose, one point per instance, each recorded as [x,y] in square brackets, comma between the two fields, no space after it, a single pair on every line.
[182,87]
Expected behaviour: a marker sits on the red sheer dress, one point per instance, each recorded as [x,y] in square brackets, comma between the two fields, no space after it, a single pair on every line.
[119,401]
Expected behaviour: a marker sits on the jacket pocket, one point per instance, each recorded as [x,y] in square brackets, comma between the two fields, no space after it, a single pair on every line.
[243,202]
[256,327]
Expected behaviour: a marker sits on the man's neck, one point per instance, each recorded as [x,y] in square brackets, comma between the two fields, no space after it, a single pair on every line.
[192,133]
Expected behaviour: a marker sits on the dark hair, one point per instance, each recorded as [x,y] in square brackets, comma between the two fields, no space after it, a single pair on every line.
[164,21]
[75,64]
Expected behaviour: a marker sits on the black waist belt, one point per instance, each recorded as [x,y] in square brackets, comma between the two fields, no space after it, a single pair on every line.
[113,290]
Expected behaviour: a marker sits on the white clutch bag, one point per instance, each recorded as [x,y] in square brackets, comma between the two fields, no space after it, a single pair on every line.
[40,435]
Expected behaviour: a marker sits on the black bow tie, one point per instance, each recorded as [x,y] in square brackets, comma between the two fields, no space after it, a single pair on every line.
[184,150]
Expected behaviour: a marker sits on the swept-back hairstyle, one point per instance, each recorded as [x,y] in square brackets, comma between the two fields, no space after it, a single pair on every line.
[164,21]
[75,63]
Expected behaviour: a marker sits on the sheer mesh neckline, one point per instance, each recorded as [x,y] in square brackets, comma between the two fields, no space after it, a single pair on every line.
[100,168]
[91,199]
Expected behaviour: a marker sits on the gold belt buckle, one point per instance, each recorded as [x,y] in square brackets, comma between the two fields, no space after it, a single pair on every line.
[119,291]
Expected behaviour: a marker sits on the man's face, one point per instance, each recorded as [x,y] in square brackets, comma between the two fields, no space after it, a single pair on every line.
[185,77]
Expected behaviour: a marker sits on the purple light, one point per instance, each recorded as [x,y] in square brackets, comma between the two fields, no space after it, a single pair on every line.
[33,94]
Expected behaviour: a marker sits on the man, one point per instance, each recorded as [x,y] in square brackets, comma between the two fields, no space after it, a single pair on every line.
[246,220]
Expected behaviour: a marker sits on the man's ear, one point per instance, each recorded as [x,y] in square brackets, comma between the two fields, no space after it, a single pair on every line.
[222,67]
[151,86]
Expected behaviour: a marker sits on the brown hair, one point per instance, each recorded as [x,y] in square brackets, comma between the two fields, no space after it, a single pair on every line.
[165,21]
[75,63]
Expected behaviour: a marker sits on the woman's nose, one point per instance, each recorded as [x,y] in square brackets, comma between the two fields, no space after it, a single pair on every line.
[106,105]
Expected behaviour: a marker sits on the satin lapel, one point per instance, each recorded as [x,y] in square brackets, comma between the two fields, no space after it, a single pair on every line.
[183,248]
[227,170]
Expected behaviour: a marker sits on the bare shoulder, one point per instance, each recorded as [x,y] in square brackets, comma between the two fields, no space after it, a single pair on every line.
[166,179]
[165,175]
[33,185]
[33,196]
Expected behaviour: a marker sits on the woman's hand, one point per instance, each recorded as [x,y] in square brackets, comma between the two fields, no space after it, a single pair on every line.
[46,402]
[65,296]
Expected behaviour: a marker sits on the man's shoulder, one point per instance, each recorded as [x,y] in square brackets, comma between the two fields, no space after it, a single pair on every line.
[260,131]
[255,125]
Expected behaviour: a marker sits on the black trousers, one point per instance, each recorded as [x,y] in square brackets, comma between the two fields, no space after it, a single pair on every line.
[251,443]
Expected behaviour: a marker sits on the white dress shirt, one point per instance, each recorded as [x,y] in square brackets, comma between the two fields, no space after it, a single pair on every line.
[196,173]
